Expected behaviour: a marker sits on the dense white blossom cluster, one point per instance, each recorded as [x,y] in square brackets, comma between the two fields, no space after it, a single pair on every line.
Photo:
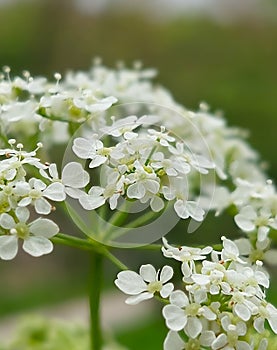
[22,193]
[143,146]
[220,303]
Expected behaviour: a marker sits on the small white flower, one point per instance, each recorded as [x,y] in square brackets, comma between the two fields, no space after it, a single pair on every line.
[161,136]
[144,285]
[124,126]
[266,312]
[184,314]
[230,251]
[249,220]
[73,177]
[187,255]
[183,207]
[186,160]
[38,191]
[35,234]
[142,182]
[173,341]
[230,339]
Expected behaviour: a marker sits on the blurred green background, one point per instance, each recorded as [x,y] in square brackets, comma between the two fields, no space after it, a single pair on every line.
[224,55]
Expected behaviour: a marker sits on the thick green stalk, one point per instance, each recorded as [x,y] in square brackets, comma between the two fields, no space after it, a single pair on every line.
[95,284]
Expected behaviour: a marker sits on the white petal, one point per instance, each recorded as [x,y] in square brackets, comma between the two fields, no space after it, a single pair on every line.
[44,228]
[259,324]
[263,344]
[242,345]
[206,338]
[73,175]
[244,224]
[55,192]
[195,211]
[8,247]
[135,299]
[173,341]
[53,171]
[262,233]
[130,282]
[75,193]
[200,279]
[219,342]
[175,317]
[136,190]
[180,208]
[272,320]
[21,188]
[186,270]
[242,312]
[166,274]
[156,204]
[208,314]
[6,221]
[82,148]
[37,246]
[152,186]
[148,273]
[37,184]
[179,298]
[96,161]
[25,201]
[90,203]
[42,206]
[22,213]
[167,290]
[193,327]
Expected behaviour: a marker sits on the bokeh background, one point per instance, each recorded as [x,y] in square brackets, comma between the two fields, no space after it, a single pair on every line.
[219,51]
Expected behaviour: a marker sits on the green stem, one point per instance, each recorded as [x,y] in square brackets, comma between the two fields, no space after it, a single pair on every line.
[88,245]
[95,284]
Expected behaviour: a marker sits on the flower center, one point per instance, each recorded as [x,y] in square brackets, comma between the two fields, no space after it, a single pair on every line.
[192,309]
[193,344]
[154,286]
[22,230]
[35,194]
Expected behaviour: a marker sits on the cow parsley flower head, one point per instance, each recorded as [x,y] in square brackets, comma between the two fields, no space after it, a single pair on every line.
[144,285]
[142,165]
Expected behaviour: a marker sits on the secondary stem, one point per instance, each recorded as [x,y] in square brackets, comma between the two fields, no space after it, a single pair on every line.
[95,284]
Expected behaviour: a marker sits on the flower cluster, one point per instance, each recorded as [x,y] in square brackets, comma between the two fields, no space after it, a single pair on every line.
[147,165]
[23,193]
[220,304]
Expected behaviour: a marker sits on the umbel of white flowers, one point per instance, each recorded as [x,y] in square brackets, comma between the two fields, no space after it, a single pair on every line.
[149,149]
[222,300]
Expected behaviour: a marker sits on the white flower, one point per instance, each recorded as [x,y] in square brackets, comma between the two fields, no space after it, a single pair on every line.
[182,206]
[35,234]
[230,251]
[94,149]
[161,136]
[186,160]
[123,126]
[73,177]
[173,341]
[37,191]
[248,220]
[181,313]
[187,255]
[266,312]
[142,182]
[230,340]
[144,285]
